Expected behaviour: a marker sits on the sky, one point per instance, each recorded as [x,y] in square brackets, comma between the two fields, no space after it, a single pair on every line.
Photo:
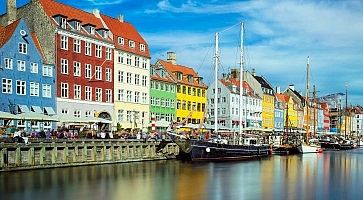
[278,37]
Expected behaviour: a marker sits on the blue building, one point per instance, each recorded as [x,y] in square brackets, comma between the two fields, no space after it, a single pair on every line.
[27,83]
[279,116]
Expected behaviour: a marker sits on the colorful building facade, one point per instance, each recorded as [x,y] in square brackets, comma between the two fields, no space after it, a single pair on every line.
[27,81]
[162,94]
[191,91]
[268,103]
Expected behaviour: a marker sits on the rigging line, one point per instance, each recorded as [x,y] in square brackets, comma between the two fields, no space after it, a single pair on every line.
[230,27]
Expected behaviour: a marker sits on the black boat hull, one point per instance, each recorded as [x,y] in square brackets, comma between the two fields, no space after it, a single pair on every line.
[287,150]
[196,150]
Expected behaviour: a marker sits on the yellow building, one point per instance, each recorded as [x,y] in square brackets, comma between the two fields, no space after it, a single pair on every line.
[291,115]
[268,103]
[191,95]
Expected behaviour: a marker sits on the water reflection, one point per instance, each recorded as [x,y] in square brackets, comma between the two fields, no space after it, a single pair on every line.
[332,175]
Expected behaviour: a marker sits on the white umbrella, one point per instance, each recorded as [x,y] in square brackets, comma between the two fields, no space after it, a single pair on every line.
[162,123]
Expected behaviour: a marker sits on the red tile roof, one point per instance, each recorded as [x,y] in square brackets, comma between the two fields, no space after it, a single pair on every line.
[171,68]
[236,82]
[7,31]
[128,32]
[283,98]
[52,8]
[37,45]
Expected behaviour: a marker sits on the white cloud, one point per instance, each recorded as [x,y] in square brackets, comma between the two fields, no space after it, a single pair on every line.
[103,2]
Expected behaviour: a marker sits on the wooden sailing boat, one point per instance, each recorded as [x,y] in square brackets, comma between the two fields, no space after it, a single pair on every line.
[217,150]
[307,146]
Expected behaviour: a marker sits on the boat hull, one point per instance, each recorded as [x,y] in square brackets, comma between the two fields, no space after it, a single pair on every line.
[287,150]
[311,149]
[196,150]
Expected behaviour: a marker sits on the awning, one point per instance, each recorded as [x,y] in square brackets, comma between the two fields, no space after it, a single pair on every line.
[37,109]
[33,116]
[49,111]
[6,115]
[23,108]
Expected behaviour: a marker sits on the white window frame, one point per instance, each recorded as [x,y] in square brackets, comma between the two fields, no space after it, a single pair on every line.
[63,22]
[20,87]
[108,95]
[88,71]
[76,46]
[120,57]
[64,42]
[64,66]
[120,95]
[77,91]
[34,89]
[46,90]
[47,71]
[137,97]
[76,69]
[88,93]
[64,90]
[88,49]
[98,51]
[21,65]
[108,53]
[120,115]
[131,44]
[108,75]
[137,79]
[128,77]
[142,47]
[98,73]
[23,48]
[98,94]
[144,81]
[120,76]
[121,40]
[128,59]
[7,86]
[8,62]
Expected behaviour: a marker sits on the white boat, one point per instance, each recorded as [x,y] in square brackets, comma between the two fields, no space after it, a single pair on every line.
[311,148]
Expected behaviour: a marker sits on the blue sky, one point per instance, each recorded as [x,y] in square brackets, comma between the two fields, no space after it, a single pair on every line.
[279,35]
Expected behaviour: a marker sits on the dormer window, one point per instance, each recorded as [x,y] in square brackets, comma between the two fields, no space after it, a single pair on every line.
[131,44]
[179,76]
[121,40]
[142,47]
[190,78]
[105,34]
[92,30]
[77,26]
[63,22]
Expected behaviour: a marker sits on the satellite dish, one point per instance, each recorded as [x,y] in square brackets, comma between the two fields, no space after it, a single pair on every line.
[22,32]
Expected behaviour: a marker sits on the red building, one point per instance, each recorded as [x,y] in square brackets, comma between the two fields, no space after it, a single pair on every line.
[326,125]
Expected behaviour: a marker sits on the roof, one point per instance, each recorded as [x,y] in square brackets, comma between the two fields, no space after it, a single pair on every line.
[236,82]
[171,68]
[283,98]
[53,8]
[7,31]
[263,82]
[37,45]
[128,32]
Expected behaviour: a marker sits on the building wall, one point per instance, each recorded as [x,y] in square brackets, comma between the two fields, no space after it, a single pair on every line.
[268,111]
[194,99]
[10,50]
[140,111]
[157,95]
[279,119]
[292,114]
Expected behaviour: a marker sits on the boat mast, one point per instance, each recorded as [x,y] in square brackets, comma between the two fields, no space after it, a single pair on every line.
[345,112]
[216,56]
[307,101]
[314,106]
[241,90]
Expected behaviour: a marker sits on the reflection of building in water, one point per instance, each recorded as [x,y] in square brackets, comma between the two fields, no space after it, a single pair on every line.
[190,181]
[267,179]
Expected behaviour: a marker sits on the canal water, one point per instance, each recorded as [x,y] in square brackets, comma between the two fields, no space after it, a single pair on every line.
[331,175]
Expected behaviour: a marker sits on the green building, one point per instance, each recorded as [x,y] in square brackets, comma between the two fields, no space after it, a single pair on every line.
[162,93]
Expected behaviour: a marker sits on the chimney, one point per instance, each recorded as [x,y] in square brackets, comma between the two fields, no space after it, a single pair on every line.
[278,90]
[292,87]
[253,72]
[171,57]
[120,18]
[235,73]
[11,10]
[96,12]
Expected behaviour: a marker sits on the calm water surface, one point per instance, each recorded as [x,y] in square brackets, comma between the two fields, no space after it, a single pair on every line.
[331,175]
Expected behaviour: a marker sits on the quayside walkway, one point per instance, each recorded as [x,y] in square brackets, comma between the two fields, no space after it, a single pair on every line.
[65,153]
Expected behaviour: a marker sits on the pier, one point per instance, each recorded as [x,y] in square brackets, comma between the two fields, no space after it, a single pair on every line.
[65,153]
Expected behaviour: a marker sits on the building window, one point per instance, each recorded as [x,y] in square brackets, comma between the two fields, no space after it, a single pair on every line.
[64,66]
[88,71]
[20,87]
[137,61]
[92,30]
[63,22]
[157,101]
[172,103]
[152,101]
[46,90]
[144,63]
[120,58]
[131,44]
[98,73]
[34,68]
[128,96]
[137,79]
[120,115]
[34,89]
[128,59]
[120,76]
[120,95]
[121,40]
[87,113]
[108,95]
[8,63]
[88,49]
[7,86]
[128,116]
[98,94]
[142,47]
[64,111]
[23,48]
[144,78]
[77,92]
[128,78]
[47,71]
[144,98]
[98,51]
[76,46]
[108,75]
[88,93]
[77,113]
[137,97]
[108,54]
[167,103]
[179,76]
[64,90]
[77,68]
[21,65]
[64,42]
[77,25]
